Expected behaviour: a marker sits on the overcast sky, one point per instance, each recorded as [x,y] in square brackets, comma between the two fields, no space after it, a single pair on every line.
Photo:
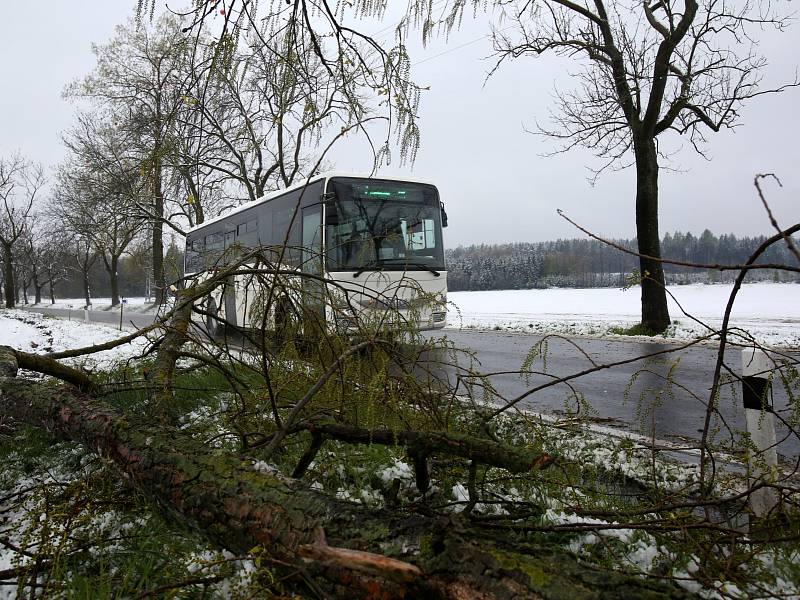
[492,175]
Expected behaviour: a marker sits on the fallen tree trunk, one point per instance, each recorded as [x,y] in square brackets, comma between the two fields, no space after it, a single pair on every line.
[238,507]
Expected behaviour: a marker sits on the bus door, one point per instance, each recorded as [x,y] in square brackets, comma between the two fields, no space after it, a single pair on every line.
[313,289]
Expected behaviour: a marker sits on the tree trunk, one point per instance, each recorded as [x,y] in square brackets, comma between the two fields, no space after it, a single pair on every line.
[37,289]
[52,288]
[86,294]
[162,399]
[159,283]
[655,315]
[8,276]
[372,554]
[113,278]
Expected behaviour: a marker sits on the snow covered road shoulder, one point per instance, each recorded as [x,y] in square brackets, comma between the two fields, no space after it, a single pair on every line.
[37,333]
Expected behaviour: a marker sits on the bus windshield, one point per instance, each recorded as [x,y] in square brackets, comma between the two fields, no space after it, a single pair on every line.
[385,225]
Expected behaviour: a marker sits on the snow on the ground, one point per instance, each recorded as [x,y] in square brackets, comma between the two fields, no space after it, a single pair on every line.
[134,304]
[34,332]
[769,311]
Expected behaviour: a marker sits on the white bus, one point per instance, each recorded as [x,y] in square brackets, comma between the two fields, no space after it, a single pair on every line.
[376,242]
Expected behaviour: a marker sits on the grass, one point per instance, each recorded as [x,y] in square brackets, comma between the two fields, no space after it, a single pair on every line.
[637,329]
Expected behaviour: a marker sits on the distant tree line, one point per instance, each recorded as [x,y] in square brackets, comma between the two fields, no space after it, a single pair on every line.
[581,263]
[47,267]
[47,270]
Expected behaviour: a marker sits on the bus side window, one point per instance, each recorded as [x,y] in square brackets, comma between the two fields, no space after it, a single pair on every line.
[247,233]
[194,259]
[213,249]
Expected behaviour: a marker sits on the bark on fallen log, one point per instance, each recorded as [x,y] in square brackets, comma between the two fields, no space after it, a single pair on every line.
[359,553]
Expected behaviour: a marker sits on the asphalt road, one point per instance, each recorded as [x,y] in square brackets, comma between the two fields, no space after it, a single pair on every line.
[664,395]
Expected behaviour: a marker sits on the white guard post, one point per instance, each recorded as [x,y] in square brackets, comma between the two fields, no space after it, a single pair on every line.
[86,314]
[762,460]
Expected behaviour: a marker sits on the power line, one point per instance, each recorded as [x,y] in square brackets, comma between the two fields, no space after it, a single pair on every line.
[459,47]
[449,50]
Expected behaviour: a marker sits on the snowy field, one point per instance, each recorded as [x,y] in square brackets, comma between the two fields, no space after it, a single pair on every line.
[769,311]
[33,332]
[138,304]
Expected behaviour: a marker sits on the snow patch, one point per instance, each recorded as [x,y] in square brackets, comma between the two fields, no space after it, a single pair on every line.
[33,332]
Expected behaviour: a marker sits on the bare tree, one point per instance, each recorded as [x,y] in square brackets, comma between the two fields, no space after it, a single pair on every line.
[138,81]
[54,253]
[40,256]
[20,182]
[105,189]
[682,67]
[82,258]
[311,72]
[261,108]
[267,114]
[33,258]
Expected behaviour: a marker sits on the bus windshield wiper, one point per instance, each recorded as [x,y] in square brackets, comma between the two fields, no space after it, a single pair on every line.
[370,266]
[420,265]
[424,267]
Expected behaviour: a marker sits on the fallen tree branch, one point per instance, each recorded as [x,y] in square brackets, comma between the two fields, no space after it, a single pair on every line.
[425,443]
[239,507]
[47,366]
[110,345]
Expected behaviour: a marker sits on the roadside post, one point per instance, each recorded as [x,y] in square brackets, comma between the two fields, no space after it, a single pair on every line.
[86,310]
[762,456]
[69,312]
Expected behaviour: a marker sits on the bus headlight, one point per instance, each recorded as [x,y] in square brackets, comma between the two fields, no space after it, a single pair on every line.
[439,316]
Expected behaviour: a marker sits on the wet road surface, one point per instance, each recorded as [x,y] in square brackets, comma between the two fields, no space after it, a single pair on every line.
[665,395]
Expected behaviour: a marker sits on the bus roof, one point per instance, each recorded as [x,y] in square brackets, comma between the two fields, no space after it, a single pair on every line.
[297,186]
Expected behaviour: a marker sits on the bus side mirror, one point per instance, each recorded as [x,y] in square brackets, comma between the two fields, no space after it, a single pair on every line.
[444,214]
